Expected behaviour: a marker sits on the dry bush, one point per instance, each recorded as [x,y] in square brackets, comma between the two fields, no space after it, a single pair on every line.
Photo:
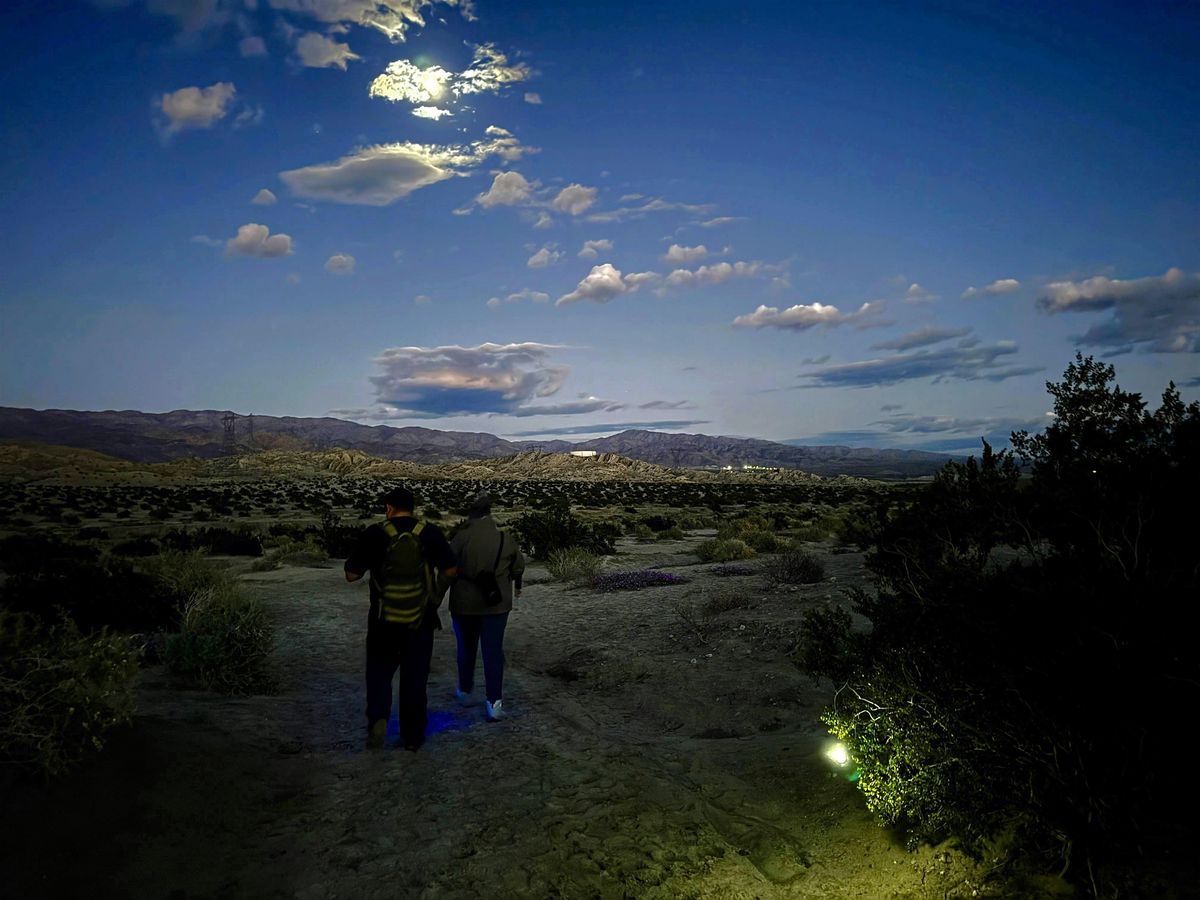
[795,567]
[724,550]
[574,565]
[223,643]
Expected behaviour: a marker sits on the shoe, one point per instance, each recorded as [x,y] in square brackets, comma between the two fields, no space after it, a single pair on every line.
[493,710]
[464,697]
[376,734]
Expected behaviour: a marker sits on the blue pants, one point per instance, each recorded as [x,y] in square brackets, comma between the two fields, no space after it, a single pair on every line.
[391,647]
[488,631]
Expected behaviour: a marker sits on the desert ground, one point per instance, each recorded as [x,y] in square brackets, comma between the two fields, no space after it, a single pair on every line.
[659,743]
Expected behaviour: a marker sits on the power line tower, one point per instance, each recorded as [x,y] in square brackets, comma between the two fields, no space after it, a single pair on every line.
[250,423]
[229,444]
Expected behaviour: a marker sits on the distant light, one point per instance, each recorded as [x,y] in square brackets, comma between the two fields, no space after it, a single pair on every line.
[838,755]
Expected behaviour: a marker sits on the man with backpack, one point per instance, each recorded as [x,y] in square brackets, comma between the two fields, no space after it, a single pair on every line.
[411,565]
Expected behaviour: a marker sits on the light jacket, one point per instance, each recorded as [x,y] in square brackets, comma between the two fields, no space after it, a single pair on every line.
[476,546]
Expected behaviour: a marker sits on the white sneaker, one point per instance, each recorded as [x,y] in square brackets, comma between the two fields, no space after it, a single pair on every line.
[464,697]
[493,711]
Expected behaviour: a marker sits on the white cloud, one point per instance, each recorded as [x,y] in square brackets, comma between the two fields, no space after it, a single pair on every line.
[405,82]
[249,117]
[800,317]
[918,294]
[319,52]
[493,303]
[422,299]
[574,199]
[655,205]
[383,174]
[252,46]
[340,264]
[715,274]
[604,283]
[490,72]
[257,241]
[508,189]
[1161,312]
[264,198]
[402,80]
[720,220]
[685,256]
[194,107]
[544,221]
[431,112]
[1000,286]
[533,98]
[207,241]
[591,249]
[392,17]
[525,294]
[544,257]
[922,337]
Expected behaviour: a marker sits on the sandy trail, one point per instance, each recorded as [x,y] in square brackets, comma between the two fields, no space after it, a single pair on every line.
[653,749]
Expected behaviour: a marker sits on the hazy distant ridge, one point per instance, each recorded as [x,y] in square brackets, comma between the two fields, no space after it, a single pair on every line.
[161,437]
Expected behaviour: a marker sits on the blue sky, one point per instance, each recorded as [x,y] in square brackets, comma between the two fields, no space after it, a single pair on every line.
[874,223]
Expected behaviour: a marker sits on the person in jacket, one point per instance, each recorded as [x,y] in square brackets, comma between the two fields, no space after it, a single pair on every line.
[402,642]
[483,548]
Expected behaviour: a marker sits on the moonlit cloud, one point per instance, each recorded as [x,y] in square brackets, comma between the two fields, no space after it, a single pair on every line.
[340,264]
[918,294]
[533,98]
[490,72]
[721,220]
[1160,313]
[392,17]
[404,81]
[508,189]
[574,199]
[922,337]
[525,294]
[655,205]
[453,380]
[1000,286]
[264,198]
[194,107]
[611,427]
[252,46]
[431,112]
[544,257]
[319,52]
[604,283]
[706,275]
[800,317]
[958,364]
[591,249]
[255,240]
[383,174]
[685,256]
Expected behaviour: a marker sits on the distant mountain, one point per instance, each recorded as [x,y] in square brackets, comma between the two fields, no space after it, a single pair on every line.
[183,434]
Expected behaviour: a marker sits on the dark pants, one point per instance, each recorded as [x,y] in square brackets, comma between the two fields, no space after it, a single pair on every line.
[391,647]
[471,632]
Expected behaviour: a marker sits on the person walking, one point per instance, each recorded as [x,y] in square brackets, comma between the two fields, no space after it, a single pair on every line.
[491,566]
[411,564]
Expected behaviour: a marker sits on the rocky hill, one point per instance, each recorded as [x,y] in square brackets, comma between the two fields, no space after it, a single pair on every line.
[201,434]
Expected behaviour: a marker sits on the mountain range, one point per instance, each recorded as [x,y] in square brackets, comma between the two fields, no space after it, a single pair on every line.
[205,434]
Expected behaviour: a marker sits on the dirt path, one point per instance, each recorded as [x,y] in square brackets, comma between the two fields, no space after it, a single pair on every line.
[659,744]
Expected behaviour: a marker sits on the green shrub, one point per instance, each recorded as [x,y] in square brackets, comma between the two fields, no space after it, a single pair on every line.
[795,567]
[674,533]
[574,565]
[643,532]
[541,532]
[724,550]
[61,691]
[223,644]
[762,541]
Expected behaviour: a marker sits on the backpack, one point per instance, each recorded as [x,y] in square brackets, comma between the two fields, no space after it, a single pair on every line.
[405,583]
[487,583]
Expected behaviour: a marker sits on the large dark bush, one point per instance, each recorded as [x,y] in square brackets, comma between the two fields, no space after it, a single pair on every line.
[1034,699]
[541,532]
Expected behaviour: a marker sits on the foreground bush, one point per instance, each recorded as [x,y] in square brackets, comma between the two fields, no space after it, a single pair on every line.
[542,532]
[61,691]
[724,550]
[1034,703]
[223,643]
[574,565]
[795,567]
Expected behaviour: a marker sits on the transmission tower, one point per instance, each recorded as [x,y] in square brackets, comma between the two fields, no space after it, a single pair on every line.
[229,444]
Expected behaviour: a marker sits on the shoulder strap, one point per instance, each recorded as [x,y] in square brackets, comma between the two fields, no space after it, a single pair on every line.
[498,550]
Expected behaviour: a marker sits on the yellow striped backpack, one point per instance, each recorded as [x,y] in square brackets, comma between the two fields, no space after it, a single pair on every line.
[404,585]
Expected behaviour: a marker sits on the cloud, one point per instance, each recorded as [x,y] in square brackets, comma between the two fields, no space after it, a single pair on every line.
[604,283]
[1161,313]
[685,256]
[431,112]
[720,220]
[392,17]
[340,264]
[1000,286]
[255,240]
[918,294]
[319,52]
[490,72]
[666,404]
[249,117]
[913,424]
[535,99]
[525,294]
[454,380]
[705,275]
[574,199]
[922,337]
[264,198]
[194,107]
[544,257]
[590,249]
[962,364]
[422,299]
[207,241]
[252,46]
[403,81]
[385,173]
[508,189]
[663,425]
[800,317]
[655,205]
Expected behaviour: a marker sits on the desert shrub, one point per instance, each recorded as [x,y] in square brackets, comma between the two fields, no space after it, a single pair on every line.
[574,564]
[336,538]
[178,574]
[729,570]
[223,642]
[674,533]
[1034,702]
[634,581]
[659,523]
[763,541]
[139,546]
[541,532]
[303,551]
[61,691]
[815,532]
[242,541]
[642,531]
[795,567]
[724,550]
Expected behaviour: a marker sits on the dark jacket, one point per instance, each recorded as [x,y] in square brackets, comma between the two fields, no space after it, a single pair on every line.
[476,546]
